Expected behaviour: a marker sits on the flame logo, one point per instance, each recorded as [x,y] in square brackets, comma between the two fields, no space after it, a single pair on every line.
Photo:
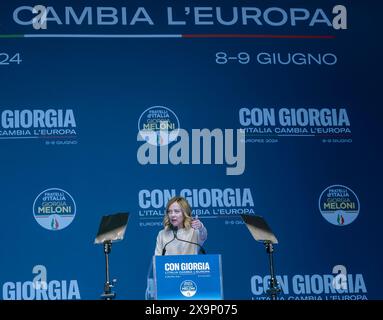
[160,140]
[340,219]
[54,224]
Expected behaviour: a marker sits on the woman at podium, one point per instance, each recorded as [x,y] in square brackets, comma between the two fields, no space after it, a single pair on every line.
[182,234]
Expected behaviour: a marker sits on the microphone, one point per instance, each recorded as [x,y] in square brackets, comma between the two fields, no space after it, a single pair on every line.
[195,243]
[175,230]
[174,237]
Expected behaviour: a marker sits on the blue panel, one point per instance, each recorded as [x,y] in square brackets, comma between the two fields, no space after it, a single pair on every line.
[269,108]
[183,277]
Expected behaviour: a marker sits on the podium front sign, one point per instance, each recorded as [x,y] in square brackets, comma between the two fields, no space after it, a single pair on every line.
[182,277]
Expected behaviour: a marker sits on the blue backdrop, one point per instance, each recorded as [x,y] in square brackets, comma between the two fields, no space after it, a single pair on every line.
[300,79]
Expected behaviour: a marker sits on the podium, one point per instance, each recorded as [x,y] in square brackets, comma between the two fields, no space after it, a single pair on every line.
[188,277]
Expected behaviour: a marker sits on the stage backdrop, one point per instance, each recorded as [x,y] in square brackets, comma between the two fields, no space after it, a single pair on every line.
[269,108]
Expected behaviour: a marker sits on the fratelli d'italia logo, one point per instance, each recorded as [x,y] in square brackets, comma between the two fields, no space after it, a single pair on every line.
[54,209]
[339,205]
[158,126]
[188,288]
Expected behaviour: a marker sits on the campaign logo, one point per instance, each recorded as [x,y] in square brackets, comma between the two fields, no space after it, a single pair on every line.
[54,209]
[269,17]
[226,203]
[55,126]
[188,288]
[158,126]
[271,125]
[337,285]
[40,288]
[339,205]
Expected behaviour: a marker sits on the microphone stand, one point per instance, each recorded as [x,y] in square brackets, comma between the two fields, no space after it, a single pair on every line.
[202,250]
[174,237]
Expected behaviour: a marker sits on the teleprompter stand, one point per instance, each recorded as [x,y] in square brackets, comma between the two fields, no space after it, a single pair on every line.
[261,232]
[112,228]
[108,293]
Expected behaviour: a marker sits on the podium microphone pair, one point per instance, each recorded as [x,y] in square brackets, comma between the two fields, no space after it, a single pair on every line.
[175,229]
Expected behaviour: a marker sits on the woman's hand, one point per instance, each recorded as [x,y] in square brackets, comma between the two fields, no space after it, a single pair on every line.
[196,223]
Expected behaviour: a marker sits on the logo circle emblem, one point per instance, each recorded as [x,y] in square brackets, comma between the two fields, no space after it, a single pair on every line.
[158,126]
[54,209]
[188,288]
[339,205]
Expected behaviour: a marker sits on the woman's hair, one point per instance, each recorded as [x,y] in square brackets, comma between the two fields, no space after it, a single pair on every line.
[186,211]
